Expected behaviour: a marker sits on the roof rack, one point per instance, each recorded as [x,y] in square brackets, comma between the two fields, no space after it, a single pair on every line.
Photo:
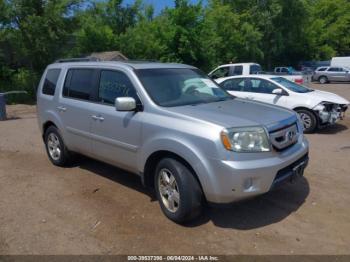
[83,59]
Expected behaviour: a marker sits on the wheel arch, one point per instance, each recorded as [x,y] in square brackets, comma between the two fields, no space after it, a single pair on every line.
[46,125]
[155,157]
[318,79]
[309,110]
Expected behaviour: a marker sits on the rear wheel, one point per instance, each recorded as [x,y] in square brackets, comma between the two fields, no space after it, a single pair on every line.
[178,192]
[308,119]
[323,80]
[55,148]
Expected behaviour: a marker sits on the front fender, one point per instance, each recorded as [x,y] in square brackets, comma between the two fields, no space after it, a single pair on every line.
[185,149]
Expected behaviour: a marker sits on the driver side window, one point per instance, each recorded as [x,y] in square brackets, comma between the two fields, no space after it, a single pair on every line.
[114,84]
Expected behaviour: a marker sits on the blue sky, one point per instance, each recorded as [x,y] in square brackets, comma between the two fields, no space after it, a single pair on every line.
[159,4]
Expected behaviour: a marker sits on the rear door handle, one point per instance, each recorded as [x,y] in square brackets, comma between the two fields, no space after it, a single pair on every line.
[100,118]
[62,108]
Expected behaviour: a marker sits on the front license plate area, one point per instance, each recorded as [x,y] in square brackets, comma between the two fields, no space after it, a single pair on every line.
[298,171]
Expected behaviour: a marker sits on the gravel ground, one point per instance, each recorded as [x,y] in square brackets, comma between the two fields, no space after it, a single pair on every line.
[93,208]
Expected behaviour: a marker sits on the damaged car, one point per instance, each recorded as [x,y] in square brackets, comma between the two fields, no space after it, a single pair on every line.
[316,109]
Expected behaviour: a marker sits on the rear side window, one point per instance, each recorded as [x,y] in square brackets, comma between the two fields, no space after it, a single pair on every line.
[237,70]
[50,83]
[333,69]
[236,84]
[79,83]
[114,84]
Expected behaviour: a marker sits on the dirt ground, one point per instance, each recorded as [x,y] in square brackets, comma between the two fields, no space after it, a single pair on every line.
[93,208]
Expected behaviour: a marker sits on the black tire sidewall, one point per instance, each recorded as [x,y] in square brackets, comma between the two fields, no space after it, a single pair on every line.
[189,190]
[313,120]
[64,153]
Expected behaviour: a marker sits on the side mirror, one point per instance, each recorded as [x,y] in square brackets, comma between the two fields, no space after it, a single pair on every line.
[278,91]
[125,104]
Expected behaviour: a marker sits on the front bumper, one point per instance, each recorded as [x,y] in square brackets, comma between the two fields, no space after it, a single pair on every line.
[237,180]
[333,115]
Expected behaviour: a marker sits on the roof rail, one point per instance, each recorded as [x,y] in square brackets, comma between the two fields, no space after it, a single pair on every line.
[82,59]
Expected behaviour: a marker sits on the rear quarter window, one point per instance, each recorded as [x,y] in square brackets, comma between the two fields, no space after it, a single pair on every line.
[50,82]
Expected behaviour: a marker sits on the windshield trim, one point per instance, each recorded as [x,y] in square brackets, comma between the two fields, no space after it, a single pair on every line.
[276,80]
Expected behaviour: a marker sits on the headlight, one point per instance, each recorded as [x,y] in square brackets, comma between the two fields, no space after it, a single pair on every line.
[320,107]
[245,139]
[300,124]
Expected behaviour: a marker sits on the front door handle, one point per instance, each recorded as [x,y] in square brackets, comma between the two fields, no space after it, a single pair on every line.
[100,118]
[62,108]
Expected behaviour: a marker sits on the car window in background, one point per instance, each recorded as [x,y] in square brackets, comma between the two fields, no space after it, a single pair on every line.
[220,72]
[170,87]
[291,85]
[257,85]
[322,69]
[236,84]
[333,69]
[79,83]
[254,69]
[114,84]
[51,81]
[237,70]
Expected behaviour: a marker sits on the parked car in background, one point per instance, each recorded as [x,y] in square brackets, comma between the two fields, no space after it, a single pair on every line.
[331,74]
[343,61]
[235,69]
[315,108]
[173,126]
[285,70]
[249,69]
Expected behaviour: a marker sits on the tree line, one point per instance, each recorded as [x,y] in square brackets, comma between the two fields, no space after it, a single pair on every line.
[34,33]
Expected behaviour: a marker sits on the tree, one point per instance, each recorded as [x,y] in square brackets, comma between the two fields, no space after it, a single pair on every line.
[329,28]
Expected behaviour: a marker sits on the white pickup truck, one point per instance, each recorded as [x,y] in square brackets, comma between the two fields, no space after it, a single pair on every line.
[250,69]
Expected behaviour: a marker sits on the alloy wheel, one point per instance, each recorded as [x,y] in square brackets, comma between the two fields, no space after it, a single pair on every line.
[306,119]
[168,190]
[54,146]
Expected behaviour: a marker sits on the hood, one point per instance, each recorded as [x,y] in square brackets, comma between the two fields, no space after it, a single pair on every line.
[239,113]
[323,96]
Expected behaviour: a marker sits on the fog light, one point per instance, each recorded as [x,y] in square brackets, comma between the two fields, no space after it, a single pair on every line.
[248,183]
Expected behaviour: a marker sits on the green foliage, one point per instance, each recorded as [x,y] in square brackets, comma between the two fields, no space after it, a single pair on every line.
[34,33]
[329,29]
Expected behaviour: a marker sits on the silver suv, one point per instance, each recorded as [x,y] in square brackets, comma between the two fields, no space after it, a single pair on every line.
[174,127]
[328,74]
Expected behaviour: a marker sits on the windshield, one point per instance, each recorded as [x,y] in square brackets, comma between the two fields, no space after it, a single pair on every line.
[291,85]
[180,86]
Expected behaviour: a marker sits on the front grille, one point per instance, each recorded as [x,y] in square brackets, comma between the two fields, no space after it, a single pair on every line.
[284,138]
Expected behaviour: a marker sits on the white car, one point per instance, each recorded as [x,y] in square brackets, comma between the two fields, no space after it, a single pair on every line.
[316,108]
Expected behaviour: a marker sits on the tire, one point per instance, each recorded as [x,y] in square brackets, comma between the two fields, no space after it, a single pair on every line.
[309,120]
[55,147]
[185,200]
[323,80]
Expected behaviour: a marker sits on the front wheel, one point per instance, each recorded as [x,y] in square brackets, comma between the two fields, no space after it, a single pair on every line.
[178,192]
[308,119]
[323,80]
